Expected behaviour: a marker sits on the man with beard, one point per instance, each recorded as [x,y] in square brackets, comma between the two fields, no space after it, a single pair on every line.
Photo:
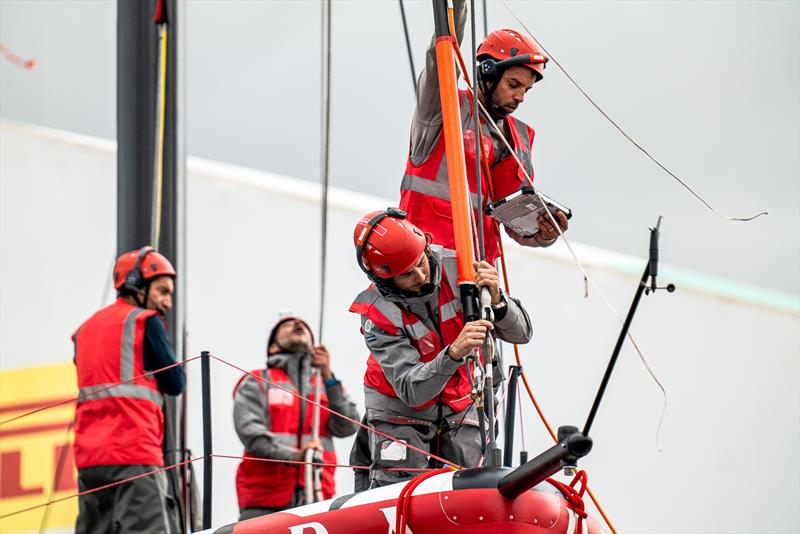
[275,424]
[424,191]
[416,385]
[119,420]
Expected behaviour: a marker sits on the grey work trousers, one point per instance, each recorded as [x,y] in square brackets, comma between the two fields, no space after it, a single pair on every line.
[141,506]
[459,442]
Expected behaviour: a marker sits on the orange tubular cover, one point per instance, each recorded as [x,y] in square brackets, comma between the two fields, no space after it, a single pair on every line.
[456,166]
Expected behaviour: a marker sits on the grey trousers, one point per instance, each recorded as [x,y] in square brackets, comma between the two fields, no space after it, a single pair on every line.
[459,443]
[142,506]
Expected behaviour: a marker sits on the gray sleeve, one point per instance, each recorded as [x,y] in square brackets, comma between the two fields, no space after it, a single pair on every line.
[414,382]
[340,401]
[515,326]
[427,123]
[251,419]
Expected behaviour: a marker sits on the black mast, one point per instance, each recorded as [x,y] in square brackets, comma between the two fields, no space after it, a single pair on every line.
[139,25]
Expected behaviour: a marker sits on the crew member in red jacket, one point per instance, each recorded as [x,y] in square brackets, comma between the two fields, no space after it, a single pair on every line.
[118,421]
[416,387]
[273,423]
[425,190]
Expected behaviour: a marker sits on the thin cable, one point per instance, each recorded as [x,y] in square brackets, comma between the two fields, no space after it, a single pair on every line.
[536,406]
[408,46]
[505,277]
[623,132]
[187,462]
[320,464]
[588,280]
[62,460]
[485,23]
[100,488]
[477,126]
[110,281]
[81,397]
[334,412]
[521,418]
[325,95]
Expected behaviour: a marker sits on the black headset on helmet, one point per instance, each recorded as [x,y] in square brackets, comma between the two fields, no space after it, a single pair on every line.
[134,279]
[490,69]
[362,239]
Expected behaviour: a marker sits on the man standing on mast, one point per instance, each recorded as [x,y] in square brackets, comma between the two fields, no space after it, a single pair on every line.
[118,420]
[424,191]
[417,387]
[273,423]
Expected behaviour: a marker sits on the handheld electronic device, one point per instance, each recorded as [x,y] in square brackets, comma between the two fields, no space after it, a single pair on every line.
[521,210]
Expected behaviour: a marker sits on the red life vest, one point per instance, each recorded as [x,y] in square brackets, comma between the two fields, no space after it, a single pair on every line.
[270,484]
[122,425]
[425,189]
[393,319]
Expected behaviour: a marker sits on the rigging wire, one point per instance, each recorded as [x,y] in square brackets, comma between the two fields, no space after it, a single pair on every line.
[325,127]
[478,136]
[623,132]
[408,46]
[587,279]
[66,443]
[485,21]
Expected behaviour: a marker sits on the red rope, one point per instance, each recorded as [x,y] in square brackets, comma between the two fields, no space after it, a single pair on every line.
[425,470]
[404,499]
[80,397]
[387,436]
[319,464]
[574,497]
[99,488]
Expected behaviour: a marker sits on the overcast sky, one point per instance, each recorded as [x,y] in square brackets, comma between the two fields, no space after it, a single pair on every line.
[710,88]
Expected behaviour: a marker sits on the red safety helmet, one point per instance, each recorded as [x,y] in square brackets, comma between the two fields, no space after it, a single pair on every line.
[387,244]
[503,48]
[134,268]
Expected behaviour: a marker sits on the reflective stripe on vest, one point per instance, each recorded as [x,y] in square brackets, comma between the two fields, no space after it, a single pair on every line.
[126,350]
[438,186]
[273,484]
[131,391]
[432,188]
[381,312]
[427,343]
[118,420]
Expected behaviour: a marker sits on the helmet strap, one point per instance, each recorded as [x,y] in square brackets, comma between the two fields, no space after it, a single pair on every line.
[488,86]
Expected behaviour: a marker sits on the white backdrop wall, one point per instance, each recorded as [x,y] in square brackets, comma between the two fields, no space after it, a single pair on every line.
[729,362]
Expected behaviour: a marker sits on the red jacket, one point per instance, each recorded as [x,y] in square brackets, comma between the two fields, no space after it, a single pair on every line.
[425,190]
[122,425]
[261,484]
[393,319]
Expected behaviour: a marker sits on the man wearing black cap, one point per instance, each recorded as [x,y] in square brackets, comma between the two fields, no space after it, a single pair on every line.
[273,422]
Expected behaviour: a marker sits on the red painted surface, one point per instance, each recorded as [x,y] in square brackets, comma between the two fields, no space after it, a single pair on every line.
[10,479]
[471,511]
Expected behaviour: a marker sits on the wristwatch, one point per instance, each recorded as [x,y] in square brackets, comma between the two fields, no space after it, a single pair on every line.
[503,300]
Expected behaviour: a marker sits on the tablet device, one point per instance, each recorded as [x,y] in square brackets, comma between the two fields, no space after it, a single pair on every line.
[520,210]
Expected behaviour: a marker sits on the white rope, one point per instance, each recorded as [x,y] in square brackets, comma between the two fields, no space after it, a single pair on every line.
[586,278]
[623,132]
